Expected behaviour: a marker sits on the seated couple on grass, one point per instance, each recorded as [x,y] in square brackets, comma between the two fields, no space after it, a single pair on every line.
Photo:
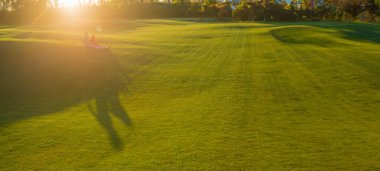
[91,42]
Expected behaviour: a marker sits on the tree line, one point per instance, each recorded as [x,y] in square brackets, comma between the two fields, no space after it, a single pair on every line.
[254,10]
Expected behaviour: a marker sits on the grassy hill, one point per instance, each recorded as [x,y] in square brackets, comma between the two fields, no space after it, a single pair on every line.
[176,94]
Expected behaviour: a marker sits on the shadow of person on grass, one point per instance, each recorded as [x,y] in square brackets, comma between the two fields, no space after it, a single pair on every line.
[110,80]
[39,79]
[108,104]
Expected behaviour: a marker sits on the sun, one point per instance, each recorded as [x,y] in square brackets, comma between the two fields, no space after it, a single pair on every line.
[69,3]
[73,3]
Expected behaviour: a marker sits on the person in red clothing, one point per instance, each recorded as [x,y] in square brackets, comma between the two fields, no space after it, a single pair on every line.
[94,42]
[91,42]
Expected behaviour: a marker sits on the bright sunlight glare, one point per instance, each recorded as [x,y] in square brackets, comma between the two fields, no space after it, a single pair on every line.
[74,3]
[70,3]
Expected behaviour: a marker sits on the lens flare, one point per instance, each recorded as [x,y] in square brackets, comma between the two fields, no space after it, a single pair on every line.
[69,3]
[73,3]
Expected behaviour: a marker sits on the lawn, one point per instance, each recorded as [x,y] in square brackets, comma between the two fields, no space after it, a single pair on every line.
[188,95]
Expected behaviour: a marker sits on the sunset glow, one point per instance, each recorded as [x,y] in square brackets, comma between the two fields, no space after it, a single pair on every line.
[75,3]
[70,3]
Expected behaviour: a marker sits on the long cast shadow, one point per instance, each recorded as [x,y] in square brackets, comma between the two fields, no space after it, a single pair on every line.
[40,78]
[107,102]
[357,32]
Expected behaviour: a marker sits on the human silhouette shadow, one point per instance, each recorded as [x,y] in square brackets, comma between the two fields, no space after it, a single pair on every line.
[108,104]
[40,79]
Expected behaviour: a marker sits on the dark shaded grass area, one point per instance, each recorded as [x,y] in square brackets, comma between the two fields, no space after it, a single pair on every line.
[305,35]
[39,78]
[355,32]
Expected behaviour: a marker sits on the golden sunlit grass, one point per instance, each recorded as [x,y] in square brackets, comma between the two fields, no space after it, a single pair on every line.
[198,96]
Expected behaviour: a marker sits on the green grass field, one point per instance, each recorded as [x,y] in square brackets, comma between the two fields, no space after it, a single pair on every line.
[186,95]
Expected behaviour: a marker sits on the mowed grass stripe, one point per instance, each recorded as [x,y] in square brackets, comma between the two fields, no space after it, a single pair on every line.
[304,72]
[210,96]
